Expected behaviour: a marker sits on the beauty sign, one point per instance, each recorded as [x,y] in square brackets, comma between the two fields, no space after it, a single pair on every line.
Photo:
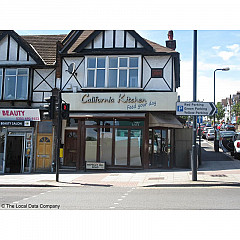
[19,115]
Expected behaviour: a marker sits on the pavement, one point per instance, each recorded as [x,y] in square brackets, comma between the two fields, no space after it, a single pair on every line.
[217,169]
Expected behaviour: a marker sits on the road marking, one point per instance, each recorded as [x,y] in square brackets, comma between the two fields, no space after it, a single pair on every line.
[123,196]
[25,199]
[15,202]
[42,193]
[116,203]
[112,207]
[119,199]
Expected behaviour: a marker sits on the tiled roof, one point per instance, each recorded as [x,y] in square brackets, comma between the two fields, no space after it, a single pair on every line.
[159,48]
[85,34]
[45,45]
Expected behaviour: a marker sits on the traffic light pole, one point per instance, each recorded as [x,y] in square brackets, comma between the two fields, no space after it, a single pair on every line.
[59,127]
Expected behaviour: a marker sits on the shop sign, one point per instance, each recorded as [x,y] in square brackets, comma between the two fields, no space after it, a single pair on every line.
[15,123]
[19,115]
[95,165]
[144,101]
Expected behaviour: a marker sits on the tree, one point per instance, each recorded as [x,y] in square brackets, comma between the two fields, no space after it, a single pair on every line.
[236,109]
[220,111]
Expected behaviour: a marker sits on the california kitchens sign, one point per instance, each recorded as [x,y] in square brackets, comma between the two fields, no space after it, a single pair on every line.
[164,101]
[19,115]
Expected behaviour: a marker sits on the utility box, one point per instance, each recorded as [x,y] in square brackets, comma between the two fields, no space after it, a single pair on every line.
[183,145]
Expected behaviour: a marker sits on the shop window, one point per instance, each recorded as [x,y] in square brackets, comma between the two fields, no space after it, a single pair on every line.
[16,84]
[106,145]
[91,122]
[106,125]
[91,145]
[121,146]
[135,147]
[129,123]
[113,72]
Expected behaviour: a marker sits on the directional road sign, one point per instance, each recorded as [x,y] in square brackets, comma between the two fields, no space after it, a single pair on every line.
[195,108]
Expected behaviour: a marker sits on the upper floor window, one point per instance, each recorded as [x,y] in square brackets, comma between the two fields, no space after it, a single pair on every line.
[113,72]
[15,84]
[1,78]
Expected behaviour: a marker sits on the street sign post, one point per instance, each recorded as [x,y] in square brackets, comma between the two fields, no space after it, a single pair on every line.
[195,109]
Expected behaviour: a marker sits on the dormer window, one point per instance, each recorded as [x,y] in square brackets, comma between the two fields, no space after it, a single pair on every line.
[113,72]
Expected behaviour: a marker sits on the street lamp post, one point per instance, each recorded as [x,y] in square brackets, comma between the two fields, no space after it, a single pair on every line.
[216,142]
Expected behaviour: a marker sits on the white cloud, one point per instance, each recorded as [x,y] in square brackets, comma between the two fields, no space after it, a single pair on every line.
[224,86]
[216,47]
[234,47]
[225,55]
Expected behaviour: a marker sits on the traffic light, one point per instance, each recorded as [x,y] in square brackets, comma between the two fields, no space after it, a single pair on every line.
[65,110]
[50,114]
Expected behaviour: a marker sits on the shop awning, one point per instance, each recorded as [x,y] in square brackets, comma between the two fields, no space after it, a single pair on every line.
[107,115]
[163,120]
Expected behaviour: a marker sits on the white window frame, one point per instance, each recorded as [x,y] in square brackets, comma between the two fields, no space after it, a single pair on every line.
[15,97]
[118,68]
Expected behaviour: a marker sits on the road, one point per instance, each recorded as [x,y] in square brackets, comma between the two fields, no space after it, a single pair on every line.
[120,198]
[108,197]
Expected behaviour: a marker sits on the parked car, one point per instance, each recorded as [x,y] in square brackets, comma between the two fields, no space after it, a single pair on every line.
[229,127]
[226,141]
[236,150]
[204,132]
[210,134]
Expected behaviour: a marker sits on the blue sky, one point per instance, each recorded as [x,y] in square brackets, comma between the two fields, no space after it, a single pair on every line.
[216,49]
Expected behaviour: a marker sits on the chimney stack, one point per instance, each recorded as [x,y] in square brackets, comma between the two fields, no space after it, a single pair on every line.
[170,43]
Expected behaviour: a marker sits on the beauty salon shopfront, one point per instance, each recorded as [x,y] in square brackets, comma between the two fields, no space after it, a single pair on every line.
[16,139]
[123,130]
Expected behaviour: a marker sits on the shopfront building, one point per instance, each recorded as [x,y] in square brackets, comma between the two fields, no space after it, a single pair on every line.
[122,94]
[16,139]
[120,136]
[27,78]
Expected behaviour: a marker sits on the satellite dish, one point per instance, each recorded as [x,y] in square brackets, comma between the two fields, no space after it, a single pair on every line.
[71,68]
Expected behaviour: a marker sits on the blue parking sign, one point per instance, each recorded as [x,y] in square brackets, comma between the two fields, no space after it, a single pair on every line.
[180,108]
[199,119]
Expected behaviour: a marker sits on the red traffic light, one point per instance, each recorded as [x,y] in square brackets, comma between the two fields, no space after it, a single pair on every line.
[65,110]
